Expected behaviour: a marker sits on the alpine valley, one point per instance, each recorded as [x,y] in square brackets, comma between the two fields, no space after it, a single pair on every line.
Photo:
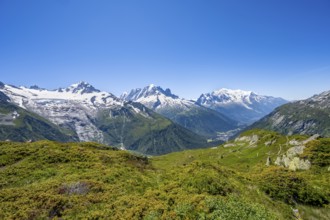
[149,120]
[187,113]
[87,114]
[218,115]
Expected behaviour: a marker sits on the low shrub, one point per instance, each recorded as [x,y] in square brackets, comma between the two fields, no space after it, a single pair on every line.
[287,186]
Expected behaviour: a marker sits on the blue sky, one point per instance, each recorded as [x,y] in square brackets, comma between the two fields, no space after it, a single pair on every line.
[273,47]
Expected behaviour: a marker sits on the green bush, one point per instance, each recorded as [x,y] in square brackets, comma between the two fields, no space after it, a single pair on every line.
[318,152]
[205,178]
[233,207]
[287,186]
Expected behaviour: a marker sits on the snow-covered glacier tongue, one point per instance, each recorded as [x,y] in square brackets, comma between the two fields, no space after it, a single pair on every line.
[74,107]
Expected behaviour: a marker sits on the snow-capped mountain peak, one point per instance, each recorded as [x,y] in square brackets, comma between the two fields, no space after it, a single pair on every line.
[151,86]
[243,106]
[229,96]
[187,113]
[80,88]
[237,92]
[80,92]
[155,97]
[151,92]
[225,96]
[75,107]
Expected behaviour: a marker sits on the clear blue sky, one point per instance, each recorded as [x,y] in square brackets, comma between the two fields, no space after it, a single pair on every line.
[273,47]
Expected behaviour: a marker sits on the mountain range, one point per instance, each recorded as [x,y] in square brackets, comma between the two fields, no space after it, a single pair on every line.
[91,115]
[187,113]
[151,120]
[245,107]
[215,115]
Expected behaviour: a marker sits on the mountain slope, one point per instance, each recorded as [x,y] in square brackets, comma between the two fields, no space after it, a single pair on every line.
[186,113]
[310,116]
[245,107]
[146,132]
[172,137]
[17,124]
[99,116]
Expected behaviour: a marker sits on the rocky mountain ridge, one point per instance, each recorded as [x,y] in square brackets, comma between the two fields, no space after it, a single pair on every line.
[310,116]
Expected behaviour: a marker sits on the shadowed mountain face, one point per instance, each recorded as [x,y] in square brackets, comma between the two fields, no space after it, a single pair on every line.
[186,113]
[92,115]
[245,107]
[310,116]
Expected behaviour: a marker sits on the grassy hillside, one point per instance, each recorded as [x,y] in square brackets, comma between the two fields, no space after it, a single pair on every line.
[85,180]
[308,191]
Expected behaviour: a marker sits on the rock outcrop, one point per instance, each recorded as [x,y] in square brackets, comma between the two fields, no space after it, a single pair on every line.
[291,158]
[253,140]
